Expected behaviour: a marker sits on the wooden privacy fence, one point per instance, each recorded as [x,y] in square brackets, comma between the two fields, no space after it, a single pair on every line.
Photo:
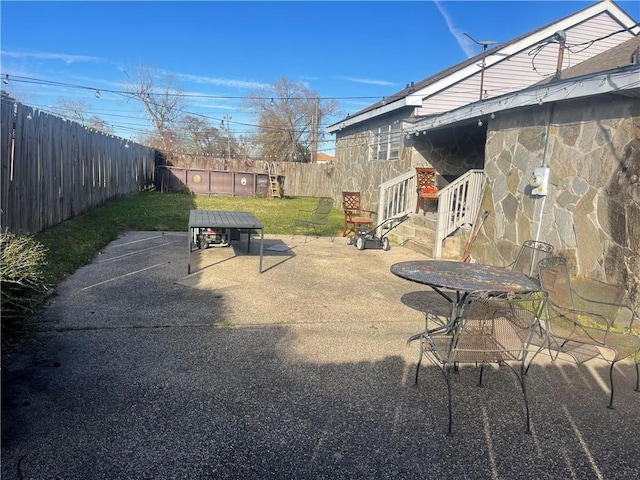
[54,169]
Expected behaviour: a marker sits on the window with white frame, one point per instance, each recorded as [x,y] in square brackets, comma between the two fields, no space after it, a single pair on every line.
[385,143]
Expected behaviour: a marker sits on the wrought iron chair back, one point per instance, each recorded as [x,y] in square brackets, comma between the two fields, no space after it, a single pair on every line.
[583,334]
[530,254]
[491,329]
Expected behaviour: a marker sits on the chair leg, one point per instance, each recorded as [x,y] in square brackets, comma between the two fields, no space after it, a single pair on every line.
[521,378]
[610,406]
[419,363]
[524,394]
[526,370]
[446,372]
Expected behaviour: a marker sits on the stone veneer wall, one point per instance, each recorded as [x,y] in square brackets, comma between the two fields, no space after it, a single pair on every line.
[452,152]
[592,211]
[353,172]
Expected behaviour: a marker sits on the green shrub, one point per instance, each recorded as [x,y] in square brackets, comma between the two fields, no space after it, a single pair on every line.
[22,276]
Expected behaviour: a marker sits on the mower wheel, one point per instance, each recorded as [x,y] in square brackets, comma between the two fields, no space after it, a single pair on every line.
[360,243]
[385,244]
[350,240]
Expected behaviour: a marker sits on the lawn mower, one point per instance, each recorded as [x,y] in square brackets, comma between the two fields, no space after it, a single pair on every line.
[376,237]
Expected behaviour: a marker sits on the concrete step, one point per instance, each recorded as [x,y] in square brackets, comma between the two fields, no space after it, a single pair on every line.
[429,220]
[417,234]
[419,247]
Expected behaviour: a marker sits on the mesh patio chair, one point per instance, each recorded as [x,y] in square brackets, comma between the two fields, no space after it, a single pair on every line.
[491,329]
[316,218]
[354,214]
[585,334]
[530,254]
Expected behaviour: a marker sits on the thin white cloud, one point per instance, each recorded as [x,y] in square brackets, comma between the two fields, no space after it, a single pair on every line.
[370,81]
[221,82]
[215,106]
[64,57]
[467,45]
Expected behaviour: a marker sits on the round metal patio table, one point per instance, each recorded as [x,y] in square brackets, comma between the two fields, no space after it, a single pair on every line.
[454,280]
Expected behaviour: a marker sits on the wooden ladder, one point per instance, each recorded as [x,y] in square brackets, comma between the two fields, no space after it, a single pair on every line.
[274,183]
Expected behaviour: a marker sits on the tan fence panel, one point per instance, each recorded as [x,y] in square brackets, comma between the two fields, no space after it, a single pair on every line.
[300,179]
[54,169]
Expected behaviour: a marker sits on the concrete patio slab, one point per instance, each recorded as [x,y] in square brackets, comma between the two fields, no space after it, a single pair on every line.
[138,370]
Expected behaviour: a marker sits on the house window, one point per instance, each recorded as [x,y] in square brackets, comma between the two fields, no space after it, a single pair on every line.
[386,142]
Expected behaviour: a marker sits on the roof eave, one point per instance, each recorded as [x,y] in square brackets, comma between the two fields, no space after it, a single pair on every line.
[493,56]
[347,122]
[621,81]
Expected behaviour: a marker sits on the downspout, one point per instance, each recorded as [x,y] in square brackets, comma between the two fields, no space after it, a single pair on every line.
[545,152]
[545,163]
[560,37]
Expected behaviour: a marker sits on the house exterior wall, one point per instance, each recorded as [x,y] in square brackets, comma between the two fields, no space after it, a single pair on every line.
[452,152]
[355,170]
[592,211]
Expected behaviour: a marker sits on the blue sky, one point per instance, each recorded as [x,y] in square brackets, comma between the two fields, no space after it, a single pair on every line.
[356,52]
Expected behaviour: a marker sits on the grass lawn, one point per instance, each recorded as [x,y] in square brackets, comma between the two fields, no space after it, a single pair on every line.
[75,242]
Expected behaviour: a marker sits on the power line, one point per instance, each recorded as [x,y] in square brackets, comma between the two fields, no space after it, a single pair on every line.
[38,81]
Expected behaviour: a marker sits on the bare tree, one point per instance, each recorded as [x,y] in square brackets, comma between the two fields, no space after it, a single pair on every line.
[76,110]
[289,116]
[198,136]
[80,111]
[162,101]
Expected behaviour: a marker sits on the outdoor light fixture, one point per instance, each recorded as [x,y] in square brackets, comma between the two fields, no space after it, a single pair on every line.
[480,123]
[5,80]
[98,94]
